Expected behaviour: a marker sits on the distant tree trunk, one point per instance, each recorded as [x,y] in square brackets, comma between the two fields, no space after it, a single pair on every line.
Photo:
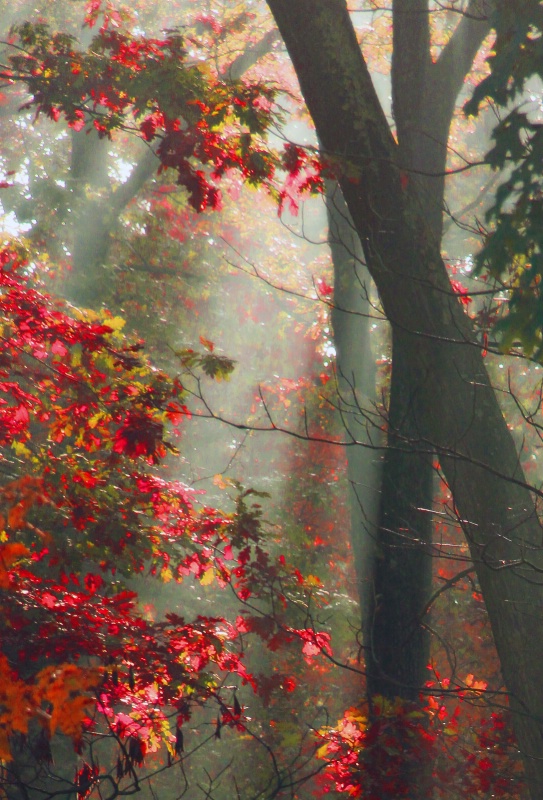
[94,214]
[355,374]
[457,411]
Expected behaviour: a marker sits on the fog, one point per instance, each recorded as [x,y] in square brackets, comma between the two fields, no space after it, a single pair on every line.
[302,419]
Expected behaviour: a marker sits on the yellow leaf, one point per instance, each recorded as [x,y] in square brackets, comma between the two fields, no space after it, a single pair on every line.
[20,449]
[166,574]
[76,356]
[476,686]
[107,360]
[219,481]
[116,323]
[208,577]
[354,714]
[322,751]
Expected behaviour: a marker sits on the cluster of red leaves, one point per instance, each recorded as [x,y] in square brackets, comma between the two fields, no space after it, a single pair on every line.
[122,80]
[370,753]
[83,419]
[277,636]
[104,10]
[81,413]
[151,87]
[367,751]
[459,289]
[306,174]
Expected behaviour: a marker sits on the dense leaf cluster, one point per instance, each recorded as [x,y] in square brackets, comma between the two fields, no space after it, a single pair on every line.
[83,420]
[513,249]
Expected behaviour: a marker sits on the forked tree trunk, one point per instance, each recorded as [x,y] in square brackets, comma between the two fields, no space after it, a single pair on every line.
[399,532]
[457,412]
[424,95]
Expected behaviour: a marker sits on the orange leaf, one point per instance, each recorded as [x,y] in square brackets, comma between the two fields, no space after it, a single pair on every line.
[207,344]
[16,516]
[9,553]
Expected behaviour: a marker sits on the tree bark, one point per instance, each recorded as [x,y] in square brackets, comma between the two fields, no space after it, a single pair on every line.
[424,95]
[397,644]
[457,412]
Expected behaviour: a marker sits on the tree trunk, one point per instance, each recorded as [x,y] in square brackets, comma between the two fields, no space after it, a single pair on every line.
[398,649]
[424,95]
[355,375]
[94,214]
[456,412]
[391,524]
[391,530]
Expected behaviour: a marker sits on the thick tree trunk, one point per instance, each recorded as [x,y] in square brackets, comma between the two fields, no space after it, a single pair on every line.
[391,525]
[398,645]
[424,95]
[398,649]
[457,411]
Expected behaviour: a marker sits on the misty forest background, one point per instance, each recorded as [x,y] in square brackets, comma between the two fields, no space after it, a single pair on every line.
[303,421]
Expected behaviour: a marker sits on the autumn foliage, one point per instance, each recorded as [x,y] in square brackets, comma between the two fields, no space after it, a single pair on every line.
[89,429]
[85,423]
[151,88]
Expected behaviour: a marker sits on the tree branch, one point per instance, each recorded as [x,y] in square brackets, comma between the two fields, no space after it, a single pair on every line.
[454,63]
[250,56]
[410,64]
